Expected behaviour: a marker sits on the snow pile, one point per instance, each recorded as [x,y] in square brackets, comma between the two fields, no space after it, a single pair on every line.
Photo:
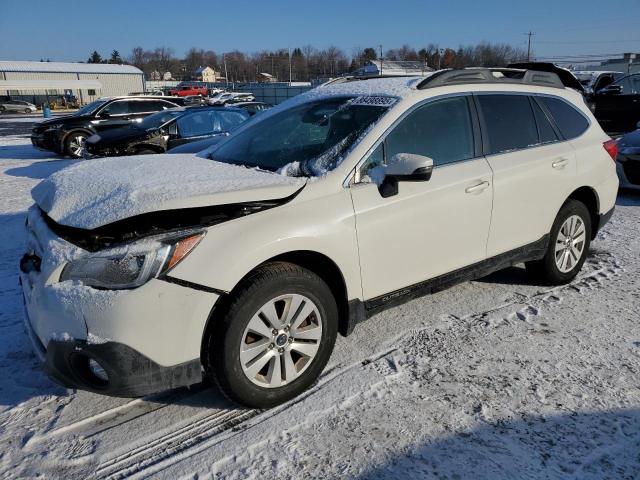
[98,192]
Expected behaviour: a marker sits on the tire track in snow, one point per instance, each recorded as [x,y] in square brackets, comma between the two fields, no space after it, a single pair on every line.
[171,443]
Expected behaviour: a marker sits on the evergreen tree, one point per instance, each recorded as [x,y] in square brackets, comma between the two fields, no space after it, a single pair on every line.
[115,57]
[95,58]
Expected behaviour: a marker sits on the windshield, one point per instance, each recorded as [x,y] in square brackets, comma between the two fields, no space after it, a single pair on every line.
[90,107]
[305,140]
[156,120]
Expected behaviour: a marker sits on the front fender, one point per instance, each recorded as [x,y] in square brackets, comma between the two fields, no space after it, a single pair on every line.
[231,250]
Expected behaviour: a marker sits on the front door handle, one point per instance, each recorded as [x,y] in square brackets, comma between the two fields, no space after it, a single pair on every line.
[560,163]
[478,187]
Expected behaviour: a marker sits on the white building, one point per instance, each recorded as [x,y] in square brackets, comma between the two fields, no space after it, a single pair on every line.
[35,81]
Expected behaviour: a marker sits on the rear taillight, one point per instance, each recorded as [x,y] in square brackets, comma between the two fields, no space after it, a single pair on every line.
[611,146]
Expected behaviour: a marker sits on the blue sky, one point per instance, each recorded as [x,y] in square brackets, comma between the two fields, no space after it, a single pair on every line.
[68,30]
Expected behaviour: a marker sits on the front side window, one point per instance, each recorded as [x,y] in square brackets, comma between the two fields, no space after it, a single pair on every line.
[509,122]
[570,121]
[158,119]
[90,107]
[625,83]
[230,120]
[441,130]
[635,84]
[197,123]
[117,108]
[304,140]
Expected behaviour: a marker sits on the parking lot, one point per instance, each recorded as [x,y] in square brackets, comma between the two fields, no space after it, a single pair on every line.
[495,378]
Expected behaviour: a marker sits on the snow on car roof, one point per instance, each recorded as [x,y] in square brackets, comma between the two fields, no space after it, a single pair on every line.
[392,86]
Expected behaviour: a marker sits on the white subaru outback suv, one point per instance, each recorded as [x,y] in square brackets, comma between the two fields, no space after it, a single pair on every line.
[242,265]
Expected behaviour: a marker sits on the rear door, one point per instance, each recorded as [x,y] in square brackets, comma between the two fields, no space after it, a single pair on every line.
[533,169]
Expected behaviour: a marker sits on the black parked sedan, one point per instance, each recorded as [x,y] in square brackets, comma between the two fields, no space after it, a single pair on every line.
[66,135]
[628,160]
[161,131]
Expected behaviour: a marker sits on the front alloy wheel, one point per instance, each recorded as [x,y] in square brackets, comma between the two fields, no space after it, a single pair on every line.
[271,337]
[281,340]
[75,144]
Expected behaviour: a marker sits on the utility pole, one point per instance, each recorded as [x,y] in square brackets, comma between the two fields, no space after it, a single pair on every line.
[380,59]
[226,74]
[530,34]
[289,66]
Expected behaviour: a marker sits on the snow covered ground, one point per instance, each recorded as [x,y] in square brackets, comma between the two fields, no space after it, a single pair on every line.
[497,378]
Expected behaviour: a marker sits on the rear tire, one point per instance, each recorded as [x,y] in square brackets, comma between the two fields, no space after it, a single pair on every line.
[145,151]
[274,338]
[569,242]
[27,110]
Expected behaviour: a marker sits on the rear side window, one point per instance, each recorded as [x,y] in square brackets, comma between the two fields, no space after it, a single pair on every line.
[509,122]
[545,129]
[441,130]
[570,121]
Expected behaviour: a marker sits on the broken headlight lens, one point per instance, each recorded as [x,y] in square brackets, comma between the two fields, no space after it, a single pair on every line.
[130,266]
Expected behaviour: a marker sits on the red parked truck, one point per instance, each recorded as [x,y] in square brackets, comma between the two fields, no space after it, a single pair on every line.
[187,90]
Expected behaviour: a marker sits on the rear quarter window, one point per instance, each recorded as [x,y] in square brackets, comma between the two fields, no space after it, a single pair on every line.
[569,120]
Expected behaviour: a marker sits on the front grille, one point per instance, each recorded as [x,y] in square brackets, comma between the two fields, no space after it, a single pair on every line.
[632,171]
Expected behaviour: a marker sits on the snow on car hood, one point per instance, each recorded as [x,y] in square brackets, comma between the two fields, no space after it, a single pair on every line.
[94,193]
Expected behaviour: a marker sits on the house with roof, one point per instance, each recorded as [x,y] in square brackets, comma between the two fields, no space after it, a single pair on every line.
[206,74]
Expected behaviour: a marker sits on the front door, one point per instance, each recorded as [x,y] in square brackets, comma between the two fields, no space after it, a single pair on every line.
[428,228]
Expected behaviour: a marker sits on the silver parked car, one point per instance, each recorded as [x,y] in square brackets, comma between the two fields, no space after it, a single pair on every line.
[17,106]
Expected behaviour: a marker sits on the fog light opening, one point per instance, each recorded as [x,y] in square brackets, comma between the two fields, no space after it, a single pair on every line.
[89,371]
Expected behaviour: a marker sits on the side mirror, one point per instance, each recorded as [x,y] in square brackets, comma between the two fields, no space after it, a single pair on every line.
[405,167]
[105,115]
[610,90]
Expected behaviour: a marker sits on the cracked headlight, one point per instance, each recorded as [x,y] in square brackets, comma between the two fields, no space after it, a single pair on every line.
[132,265]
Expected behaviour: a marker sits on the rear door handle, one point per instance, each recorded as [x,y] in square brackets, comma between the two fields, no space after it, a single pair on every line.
[560,163]
[478,187]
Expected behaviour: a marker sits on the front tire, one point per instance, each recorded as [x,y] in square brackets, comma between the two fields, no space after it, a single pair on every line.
[275,337]
[74,144]
[568,247]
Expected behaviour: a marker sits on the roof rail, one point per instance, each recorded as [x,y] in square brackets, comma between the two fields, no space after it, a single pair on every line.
[358,78]
[491,75]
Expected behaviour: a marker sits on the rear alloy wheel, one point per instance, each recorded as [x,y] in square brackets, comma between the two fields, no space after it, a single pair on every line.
[569,242]
[75,144]
[274,337]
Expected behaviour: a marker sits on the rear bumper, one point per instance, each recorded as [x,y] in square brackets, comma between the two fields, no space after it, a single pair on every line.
[604,218]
